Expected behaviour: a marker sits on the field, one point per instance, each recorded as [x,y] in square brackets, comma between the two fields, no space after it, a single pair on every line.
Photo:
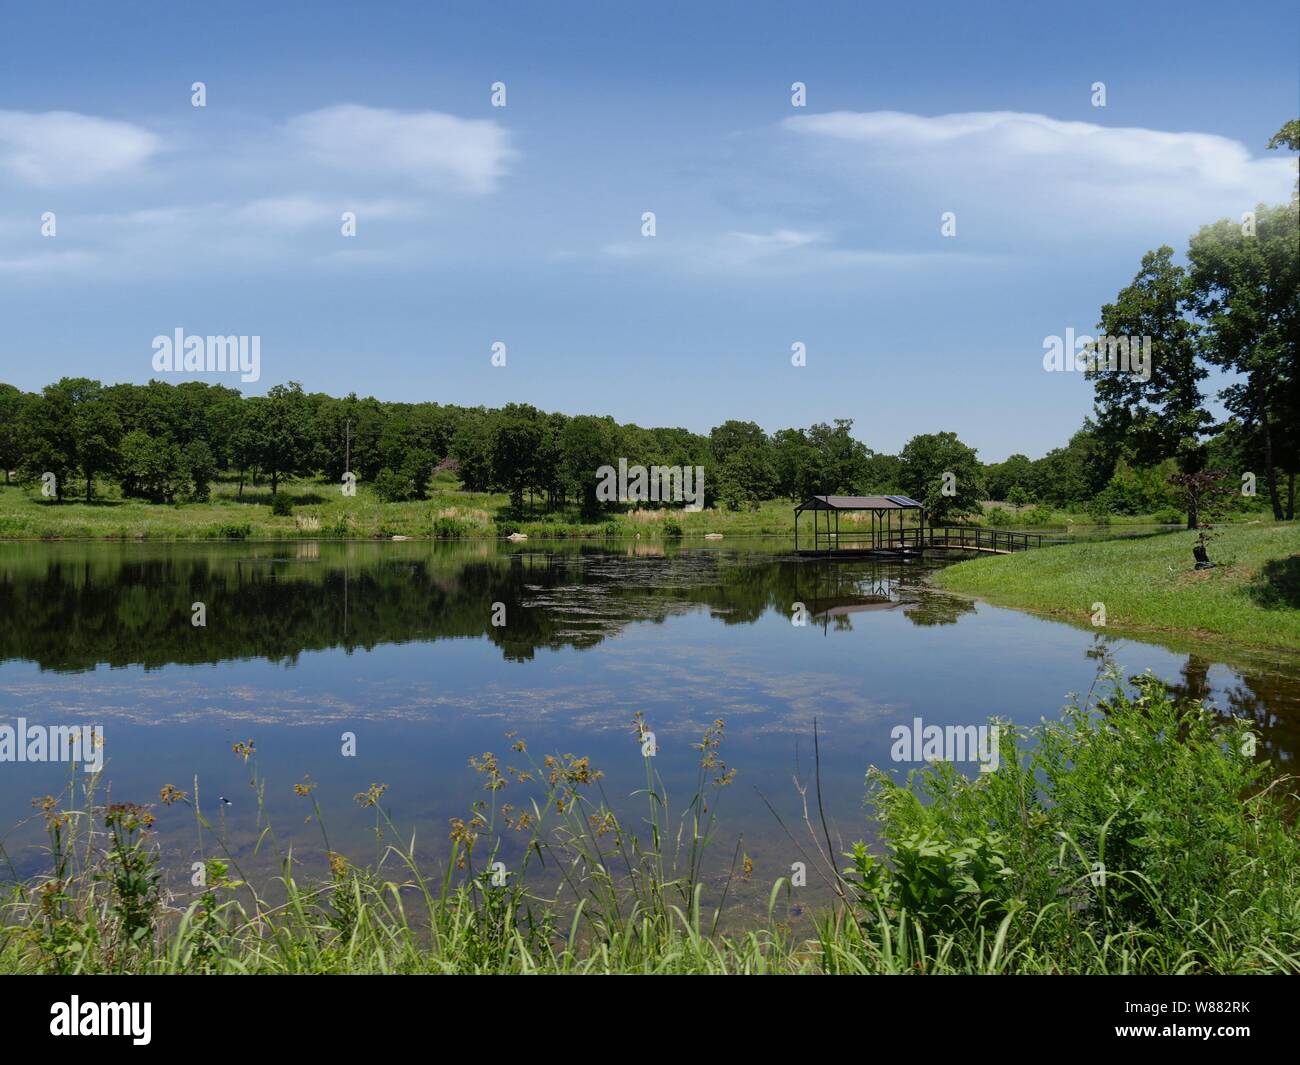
[1251,597]
[319,510]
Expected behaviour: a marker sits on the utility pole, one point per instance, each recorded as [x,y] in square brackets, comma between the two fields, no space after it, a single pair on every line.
[347,454]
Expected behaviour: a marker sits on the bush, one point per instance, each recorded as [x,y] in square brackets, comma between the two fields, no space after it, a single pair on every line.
[281,505]
[1039,515]
[672,529]
[1138,828]
[231,531]
[998,516]
[449,529]
[392,487]
[1168,516]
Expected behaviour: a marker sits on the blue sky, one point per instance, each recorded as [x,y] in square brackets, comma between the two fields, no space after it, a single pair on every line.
[522,224]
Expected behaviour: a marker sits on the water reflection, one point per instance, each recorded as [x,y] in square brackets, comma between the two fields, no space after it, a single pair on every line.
[396,643]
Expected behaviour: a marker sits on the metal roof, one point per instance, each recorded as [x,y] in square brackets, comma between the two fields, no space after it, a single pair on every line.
[859,503]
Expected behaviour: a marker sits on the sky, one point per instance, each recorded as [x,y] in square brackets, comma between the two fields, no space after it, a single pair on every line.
[523,225]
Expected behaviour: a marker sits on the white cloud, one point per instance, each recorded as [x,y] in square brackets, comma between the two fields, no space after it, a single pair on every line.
[1019,161]
[427,147]
[779,251]
[65,148]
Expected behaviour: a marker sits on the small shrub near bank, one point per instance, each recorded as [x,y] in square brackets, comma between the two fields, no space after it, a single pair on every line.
[445,528]
[281,505]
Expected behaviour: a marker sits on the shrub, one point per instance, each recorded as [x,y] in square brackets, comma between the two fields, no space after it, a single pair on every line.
[672,529]
[1141,824]
[281,505]
[393,487]
[449,529]
[232,531]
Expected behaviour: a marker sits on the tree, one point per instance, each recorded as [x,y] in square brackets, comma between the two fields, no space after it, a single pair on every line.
[472,448]
[200,468]
[1003,478]
[73,429]
[791,458]
[837,462]
[1162,416]
[1075,473]
[12,403]
[745,470]
[150,467]
[283,432]
[517,437]
[1247,289]
[940,471]
[588,444]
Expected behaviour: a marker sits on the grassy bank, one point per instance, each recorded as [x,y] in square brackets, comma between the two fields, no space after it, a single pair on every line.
[1250,598]
[1132,836]
[318,510]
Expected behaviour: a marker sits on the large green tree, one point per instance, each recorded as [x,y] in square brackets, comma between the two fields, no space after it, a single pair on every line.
[282,432]
[1246,287]
[940,471]
[1158,413]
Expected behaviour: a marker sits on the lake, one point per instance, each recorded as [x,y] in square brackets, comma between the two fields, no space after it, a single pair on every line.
[395,643]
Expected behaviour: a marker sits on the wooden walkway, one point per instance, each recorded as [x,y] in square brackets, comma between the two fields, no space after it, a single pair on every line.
[903,543]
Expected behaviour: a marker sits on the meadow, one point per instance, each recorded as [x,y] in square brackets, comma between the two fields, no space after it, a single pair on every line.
[1251,597]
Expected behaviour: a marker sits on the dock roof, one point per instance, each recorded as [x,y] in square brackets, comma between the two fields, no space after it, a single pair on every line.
[859,503]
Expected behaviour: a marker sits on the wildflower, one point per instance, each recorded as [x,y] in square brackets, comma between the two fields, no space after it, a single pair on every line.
[372,795]
[461,833]
[169,794]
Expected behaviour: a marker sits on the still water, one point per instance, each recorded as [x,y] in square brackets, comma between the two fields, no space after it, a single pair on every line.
[395,644]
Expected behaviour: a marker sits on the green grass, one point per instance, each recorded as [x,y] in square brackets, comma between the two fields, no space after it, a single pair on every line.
[1251,597]
[1134,836]
[321,511]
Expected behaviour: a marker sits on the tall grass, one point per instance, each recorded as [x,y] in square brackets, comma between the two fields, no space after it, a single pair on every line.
[1134,836]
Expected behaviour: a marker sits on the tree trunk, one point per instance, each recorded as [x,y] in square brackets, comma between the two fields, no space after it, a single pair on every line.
[1193,512]
[275,481]
[1290,496]
[1269,471]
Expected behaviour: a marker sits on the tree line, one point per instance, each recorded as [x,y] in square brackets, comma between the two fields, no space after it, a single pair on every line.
[163,443]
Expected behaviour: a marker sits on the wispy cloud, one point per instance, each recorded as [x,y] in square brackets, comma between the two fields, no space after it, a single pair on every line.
[65,148]
[425,147]
[777,251]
